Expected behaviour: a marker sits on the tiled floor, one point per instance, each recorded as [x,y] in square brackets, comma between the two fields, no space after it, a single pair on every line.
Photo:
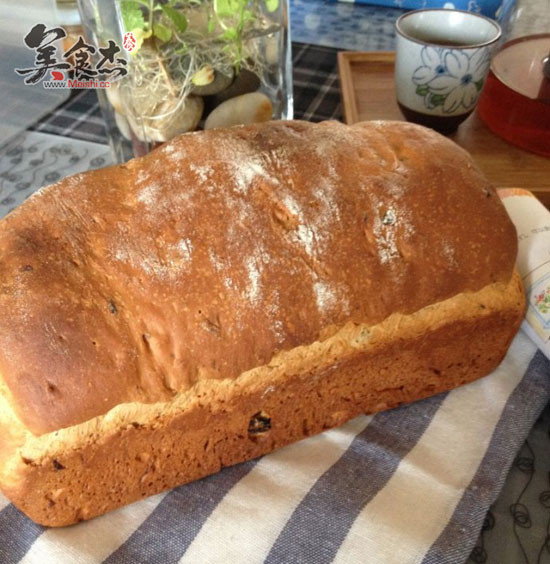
[346,26]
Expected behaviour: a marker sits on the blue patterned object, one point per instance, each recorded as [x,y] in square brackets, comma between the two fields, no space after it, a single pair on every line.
[32,160]
[451,78]
[361,26]
[356,27]
[486,7]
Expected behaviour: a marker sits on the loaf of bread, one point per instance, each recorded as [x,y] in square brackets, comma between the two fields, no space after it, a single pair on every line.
[235,291]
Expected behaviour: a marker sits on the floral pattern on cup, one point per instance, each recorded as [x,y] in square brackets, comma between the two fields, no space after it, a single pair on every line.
[451,78]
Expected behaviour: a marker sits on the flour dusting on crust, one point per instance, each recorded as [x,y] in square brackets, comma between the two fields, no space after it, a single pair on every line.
[149,195]
[254,271]
[203,172]
[325,295]
[185,247]
[215,261]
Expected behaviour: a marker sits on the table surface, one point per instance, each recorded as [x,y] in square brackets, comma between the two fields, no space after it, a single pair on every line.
[516,527]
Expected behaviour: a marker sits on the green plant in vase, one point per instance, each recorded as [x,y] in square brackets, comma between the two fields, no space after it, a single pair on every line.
[191,55]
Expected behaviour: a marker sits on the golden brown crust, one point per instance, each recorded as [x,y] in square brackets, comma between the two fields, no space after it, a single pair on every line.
[207,257]
[140,449]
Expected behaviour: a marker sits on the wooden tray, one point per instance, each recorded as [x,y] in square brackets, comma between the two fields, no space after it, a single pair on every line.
[367,87]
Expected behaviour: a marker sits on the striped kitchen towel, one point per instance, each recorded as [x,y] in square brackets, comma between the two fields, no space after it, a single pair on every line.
[411,485]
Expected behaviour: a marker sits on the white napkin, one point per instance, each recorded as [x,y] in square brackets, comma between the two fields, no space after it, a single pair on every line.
[532,221]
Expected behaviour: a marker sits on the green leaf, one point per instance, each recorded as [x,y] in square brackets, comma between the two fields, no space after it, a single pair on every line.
[162,32]
[271,5]
[230,34]
[248,16]
[438,99]
[132,16]
[422,90]
[178,19]
[227,8]
[211,25]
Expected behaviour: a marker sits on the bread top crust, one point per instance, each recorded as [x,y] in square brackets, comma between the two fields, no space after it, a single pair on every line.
[215,252]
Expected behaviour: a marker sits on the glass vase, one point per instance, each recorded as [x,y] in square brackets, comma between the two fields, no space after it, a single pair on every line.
[191,65]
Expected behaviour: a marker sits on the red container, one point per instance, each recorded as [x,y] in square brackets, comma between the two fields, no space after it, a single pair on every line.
[515,102]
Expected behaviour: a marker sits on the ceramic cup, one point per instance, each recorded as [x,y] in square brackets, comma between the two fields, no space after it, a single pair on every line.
[442,60]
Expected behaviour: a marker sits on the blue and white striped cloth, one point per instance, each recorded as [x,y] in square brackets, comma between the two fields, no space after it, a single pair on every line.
[411,485]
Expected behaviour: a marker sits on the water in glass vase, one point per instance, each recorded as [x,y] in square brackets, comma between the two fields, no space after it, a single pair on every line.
[515,103]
